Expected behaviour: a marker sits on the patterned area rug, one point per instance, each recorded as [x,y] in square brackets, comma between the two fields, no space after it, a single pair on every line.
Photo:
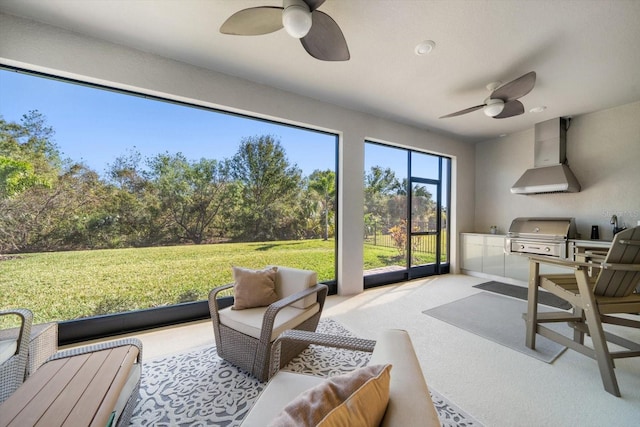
[198,388]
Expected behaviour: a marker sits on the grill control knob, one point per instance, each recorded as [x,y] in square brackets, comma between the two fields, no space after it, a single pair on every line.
[522,247]
[547,249]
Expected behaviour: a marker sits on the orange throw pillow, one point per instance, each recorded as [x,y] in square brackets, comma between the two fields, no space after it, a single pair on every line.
[356,399]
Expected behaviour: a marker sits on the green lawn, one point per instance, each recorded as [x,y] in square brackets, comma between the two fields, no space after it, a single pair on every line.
[69,285]
[381,256]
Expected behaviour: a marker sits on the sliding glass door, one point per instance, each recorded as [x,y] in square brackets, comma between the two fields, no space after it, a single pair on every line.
[406,199]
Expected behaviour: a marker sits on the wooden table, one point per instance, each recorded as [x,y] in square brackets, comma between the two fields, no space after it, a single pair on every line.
[79,390]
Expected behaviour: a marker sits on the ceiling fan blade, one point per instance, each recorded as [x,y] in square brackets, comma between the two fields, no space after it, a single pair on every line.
[313,4]
[511,108]
[516,88]
[254,21]
[465,111]
[325,40]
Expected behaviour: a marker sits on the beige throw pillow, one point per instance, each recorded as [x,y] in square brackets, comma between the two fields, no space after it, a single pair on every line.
[356,399]
[254,288]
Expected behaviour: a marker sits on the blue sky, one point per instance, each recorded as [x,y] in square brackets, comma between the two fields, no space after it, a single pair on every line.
[97,126]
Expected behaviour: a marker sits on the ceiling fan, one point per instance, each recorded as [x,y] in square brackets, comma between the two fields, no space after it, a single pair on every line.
[503,101]
[318,32]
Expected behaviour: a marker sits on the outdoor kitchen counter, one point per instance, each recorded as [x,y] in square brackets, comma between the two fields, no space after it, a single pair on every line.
[601,244]
[486,234]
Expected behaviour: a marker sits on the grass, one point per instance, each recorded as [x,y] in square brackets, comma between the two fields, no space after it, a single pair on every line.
[70,285]
[379,256]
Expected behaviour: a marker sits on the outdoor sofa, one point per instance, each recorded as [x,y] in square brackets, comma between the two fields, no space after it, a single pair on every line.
[409,401]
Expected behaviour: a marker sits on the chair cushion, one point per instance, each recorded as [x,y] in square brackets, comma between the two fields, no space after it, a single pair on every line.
[254,288]
[249,322]
[357,399]
[7,349]
[292,280]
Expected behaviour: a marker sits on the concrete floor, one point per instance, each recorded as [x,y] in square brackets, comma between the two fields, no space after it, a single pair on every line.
[495,384]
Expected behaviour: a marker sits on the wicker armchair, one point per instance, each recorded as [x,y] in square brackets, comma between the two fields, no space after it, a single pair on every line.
[245,337]
[14,353]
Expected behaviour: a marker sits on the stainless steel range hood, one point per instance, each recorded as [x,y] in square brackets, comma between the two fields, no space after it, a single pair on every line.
[550,173]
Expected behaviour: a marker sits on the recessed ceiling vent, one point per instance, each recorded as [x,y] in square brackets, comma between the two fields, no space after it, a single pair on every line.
[550,173]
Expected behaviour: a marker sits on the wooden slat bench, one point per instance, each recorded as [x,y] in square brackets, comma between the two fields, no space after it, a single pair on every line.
[88,386]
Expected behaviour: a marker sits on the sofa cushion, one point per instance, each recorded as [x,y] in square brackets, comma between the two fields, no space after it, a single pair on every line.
[282,389]
[249,321]
[292,280]
[356,399]
[254,288]
[409,400]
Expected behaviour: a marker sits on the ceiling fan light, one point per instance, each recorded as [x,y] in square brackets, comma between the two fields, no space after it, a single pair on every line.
[296,19]
[493,107]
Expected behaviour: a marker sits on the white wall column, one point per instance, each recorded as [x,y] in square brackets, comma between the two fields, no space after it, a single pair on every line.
[350,214]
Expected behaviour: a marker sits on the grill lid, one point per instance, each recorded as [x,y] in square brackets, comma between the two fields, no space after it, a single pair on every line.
[543,228]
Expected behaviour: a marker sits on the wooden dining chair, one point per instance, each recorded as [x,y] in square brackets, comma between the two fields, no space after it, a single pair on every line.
[595,300]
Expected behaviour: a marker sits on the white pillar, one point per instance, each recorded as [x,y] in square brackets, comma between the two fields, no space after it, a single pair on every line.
[350,213]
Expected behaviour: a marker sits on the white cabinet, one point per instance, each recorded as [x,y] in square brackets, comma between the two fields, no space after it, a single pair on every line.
[471,249]
[516,267]
[493,255]
[484,253]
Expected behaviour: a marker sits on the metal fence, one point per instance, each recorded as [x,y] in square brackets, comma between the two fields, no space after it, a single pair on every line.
[424,244]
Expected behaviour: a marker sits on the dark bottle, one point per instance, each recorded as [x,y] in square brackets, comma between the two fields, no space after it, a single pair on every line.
[595,233]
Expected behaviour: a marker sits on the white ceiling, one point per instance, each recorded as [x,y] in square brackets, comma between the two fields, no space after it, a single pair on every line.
[586,53]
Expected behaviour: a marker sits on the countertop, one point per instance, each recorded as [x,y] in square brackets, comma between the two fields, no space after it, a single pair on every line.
[579,243]
[585,243]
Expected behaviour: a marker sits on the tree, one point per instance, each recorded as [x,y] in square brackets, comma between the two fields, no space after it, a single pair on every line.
[32,141]
[54,218]
[323,184]
[126,173]
[17,176]
[380,185]
[423,209]
[270,188]
[192,192]
[28,159]
[28,155]
[141,219]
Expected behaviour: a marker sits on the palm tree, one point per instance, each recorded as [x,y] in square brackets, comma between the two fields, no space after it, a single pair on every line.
[323,184]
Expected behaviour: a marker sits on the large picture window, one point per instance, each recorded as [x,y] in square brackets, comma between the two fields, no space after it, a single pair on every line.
[112,201]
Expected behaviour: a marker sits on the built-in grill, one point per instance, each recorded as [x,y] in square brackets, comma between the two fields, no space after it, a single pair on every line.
[541,236]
